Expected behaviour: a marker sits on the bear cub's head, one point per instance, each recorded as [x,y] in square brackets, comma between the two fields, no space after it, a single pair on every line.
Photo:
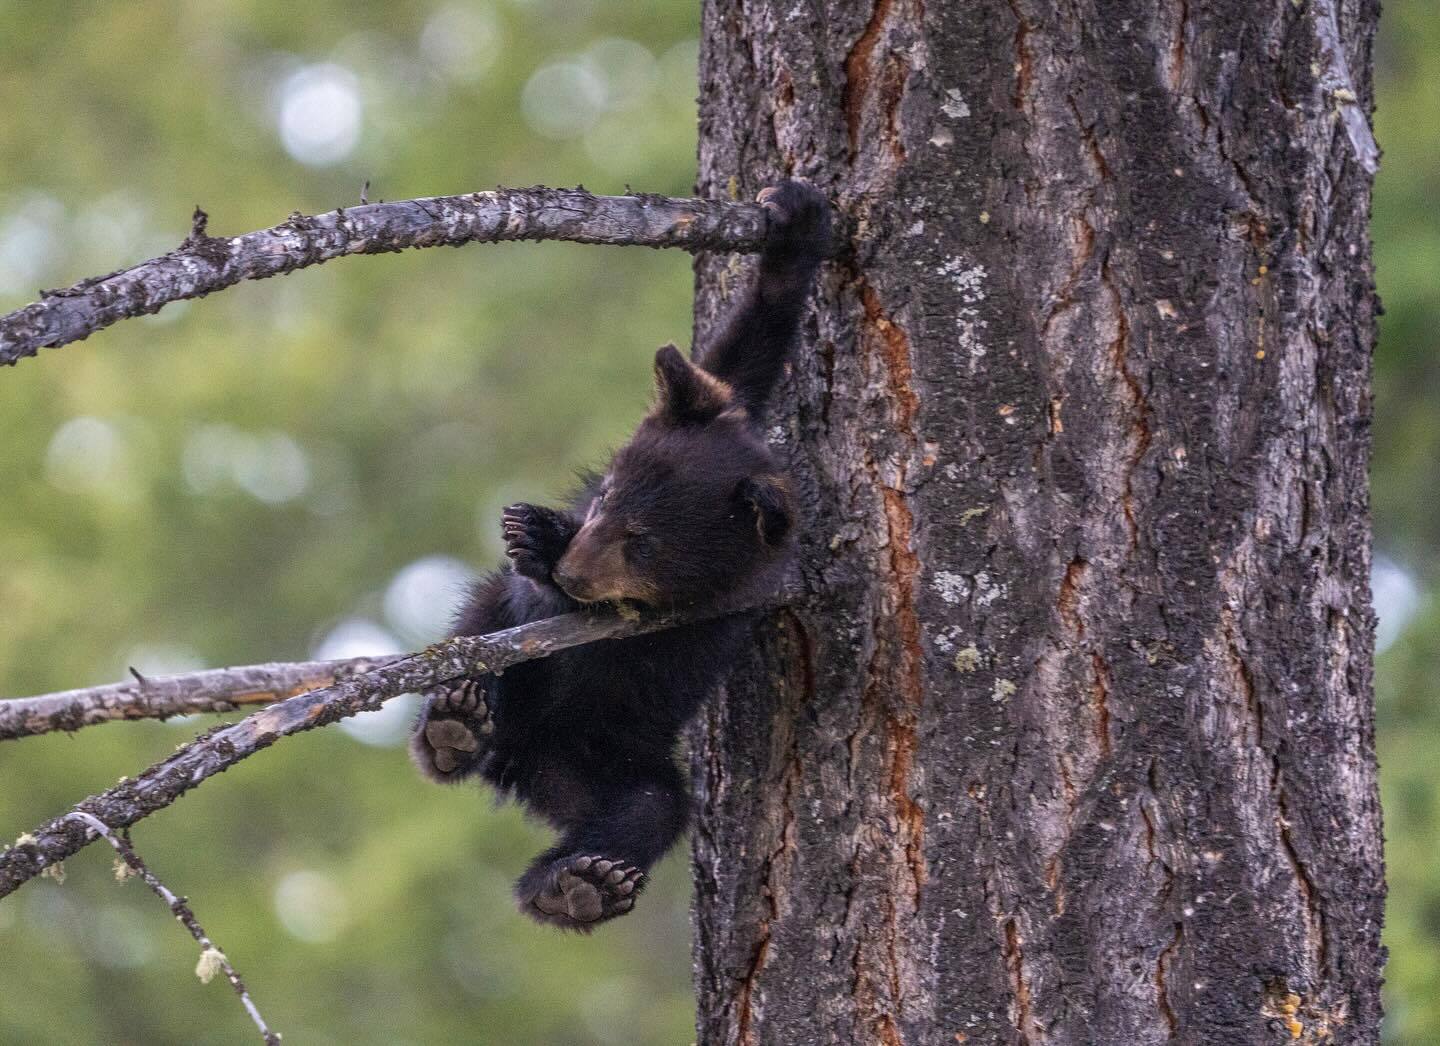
[694,508]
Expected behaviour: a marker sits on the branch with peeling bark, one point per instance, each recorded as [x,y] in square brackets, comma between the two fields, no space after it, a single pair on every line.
[204,263]
[217,751]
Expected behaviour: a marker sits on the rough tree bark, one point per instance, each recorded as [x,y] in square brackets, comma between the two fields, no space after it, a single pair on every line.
[1071,741]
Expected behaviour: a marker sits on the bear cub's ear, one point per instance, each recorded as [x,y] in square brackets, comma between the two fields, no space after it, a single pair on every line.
[686,393]
[769,501]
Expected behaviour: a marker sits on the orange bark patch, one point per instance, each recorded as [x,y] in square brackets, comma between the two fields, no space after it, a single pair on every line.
[1015,963]
[894,348]
[867,80]
[893,693]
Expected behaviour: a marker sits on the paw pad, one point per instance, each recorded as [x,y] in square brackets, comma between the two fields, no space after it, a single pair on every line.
[454,727]
[579,892]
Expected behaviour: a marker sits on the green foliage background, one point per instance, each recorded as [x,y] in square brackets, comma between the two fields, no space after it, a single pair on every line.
[419,393]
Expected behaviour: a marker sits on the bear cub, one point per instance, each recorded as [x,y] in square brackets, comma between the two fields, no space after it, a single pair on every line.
[693,511]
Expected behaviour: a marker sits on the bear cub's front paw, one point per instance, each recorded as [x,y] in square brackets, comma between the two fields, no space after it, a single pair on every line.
[799,219]
[535,539]
[452,736]
[579,891]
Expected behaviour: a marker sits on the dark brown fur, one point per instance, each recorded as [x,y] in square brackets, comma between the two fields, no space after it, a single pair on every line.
[693,511]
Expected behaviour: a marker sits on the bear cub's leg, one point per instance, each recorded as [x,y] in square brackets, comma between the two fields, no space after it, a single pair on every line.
[599,866]
[453,736]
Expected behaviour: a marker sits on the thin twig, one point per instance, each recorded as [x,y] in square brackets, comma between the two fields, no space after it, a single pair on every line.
[209,953]
[205,263]
[212,753]
[160,697]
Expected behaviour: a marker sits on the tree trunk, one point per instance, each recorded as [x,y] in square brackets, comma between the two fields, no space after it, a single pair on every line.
[1072,740]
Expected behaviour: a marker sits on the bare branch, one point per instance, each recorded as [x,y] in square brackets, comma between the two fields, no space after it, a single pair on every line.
[217,751]
[205,263]
[209,954]
[214,690]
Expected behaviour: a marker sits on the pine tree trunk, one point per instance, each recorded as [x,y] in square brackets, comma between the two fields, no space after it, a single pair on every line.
[1071,741]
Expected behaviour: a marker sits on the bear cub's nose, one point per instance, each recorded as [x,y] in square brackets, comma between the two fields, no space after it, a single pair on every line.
[573,586]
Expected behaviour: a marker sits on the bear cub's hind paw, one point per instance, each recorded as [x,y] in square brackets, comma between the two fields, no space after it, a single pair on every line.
[453,731]
[580,891]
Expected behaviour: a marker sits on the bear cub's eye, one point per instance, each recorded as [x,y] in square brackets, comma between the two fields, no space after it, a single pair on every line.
[599,502]
[640,547]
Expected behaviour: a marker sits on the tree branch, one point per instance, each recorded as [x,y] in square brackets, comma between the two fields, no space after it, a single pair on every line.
[213,690]
[204,263]
[217,751]
[211,957]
